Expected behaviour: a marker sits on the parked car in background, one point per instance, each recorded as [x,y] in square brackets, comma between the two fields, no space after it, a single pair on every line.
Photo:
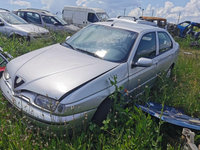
[4,59]
[185,26]
[46,19]
[12,25]
[82,16]
[63,85]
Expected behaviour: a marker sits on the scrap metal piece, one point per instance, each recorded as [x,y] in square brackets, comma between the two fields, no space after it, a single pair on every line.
[189,140]
[171,115]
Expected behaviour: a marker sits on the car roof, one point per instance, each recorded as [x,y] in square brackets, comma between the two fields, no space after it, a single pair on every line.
[40,11]
[4,10]
[130,25]
[134,20]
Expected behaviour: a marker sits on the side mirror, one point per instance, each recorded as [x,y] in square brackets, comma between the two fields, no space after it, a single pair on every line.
[56,24]
[67,38]
[1,24]
[143,62]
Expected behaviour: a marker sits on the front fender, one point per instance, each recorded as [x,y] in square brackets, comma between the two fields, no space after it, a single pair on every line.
[99,84]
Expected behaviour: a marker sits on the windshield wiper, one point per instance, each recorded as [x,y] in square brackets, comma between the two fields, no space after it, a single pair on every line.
[89,53]
[70,46]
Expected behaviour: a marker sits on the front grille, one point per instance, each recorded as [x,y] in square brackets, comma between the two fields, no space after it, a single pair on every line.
[18,81]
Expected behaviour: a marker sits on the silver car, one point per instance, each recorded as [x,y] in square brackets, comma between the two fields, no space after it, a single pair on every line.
[66,84]
[12,25]
[46,19]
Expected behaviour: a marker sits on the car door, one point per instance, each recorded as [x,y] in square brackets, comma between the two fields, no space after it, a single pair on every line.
[140,76]
[165,57]
[50,23]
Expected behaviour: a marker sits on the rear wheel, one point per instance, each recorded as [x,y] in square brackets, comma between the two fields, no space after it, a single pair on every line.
[102,111]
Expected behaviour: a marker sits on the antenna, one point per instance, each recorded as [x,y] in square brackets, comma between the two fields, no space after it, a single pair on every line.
[179,16]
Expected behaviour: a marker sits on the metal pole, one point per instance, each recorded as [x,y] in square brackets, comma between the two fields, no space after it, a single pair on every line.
[152,12]
[142,11]
[124,11]
[179,17]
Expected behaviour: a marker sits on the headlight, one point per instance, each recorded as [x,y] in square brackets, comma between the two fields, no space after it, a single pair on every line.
[46,102]
[6,74]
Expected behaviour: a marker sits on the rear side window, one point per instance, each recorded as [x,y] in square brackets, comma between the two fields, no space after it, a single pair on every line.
[92,17]
[33,18]
[147,47]
[165,42]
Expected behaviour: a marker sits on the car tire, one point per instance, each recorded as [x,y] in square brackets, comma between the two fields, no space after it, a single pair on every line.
[102,111]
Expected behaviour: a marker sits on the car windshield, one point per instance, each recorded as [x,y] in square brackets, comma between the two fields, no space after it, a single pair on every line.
[12,18]
[105,42]
[60,20]
[102,16]
[53,20]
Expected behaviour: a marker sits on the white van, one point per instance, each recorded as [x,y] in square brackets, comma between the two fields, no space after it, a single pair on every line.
[82,16]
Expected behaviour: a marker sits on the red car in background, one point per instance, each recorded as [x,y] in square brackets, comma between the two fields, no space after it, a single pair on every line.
[4,59]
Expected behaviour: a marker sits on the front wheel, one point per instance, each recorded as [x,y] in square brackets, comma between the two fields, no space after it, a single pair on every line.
[102,111]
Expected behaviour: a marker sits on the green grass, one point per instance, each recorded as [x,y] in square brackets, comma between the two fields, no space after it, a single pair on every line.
[126,128]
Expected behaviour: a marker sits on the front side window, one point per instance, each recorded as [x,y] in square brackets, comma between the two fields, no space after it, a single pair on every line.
[147,47]
[60,20]
[105,42]
[165,42]
[33,18]
[12,18]
[50,20]
[92,17]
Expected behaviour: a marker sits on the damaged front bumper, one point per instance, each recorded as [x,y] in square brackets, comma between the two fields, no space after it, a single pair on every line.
[41,117]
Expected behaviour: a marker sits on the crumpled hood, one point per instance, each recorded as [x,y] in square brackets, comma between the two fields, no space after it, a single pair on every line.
[55,70]
[30,28]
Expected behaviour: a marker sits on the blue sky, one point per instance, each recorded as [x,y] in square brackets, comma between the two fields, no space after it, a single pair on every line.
[170,9]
